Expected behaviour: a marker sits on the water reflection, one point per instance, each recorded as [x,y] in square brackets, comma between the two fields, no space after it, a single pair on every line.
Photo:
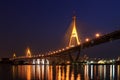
[112,72]
[66,72]
[118,72]
[86,72]
[28,71]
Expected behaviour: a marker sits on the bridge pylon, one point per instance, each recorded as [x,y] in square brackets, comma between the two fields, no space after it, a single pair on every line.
[74,39]
[14,56]
[28,52]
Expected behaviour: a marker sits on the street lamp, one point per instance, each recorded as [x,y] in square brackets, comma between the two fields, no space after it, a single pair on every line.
[87,39]
[97,35]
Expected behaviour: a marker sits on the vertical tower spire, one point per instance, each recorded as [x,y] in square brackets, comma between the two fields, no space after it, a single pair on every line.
[28,52]
[14,55]
[74,40]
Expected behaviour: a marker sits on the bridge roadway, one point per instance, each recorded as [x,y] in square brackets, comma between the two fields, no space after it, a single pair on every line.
[66,51]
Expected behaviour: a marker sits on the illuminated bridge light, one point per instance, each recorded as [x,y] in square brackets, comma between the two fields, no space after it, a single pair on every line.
[101,62]
[87,39]
[59,50]
[28,52]
[67,47]
[14,55]
[54,52]
[74,34]
[63,49]
[42,55]
[97,35]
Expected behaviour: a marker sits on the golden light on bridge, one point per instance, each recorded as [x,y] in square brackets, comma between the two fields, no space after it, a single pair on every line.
[53,52]
[67,47]
[59,50]
[87,39]
[14,55]
[56,51]
[74,35]
[28,52]
[97,35]
[63,49]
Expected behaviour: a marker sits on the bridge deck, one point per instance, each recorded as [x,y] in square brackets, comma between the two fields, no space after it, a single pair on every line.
[93,42]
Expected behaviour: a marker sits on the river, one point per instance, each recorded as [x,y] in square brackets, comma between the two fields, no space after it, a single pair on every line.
[59,72]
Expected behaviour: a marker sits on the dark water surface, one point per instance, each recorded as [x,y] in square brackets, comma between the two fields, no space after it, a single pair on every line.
[59,72]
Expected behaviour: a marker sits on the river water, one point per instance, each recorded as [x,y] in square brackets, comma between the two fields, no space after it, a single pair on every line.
[59,72]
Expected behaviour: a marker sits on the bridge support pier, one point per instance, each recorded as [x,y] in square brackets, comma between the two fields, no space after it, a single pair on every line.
[74,59]
[78,55]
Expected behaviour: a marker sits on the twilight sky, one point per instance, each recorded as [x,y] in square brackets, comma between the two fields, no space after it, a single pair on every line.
[42,24]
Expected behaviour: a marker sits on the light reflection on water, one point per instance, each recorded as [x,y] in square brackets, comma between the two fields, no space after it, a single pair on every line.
[64,72]
[118,72]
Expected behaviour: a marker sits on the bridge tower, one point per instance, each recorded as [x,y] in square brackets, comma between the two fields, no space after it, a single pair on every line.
[74,39]
[14,55]
[28,52]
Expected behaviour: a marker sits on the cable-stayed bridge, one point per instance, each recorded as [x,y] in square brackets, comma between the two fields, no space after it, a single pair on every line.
[72,52]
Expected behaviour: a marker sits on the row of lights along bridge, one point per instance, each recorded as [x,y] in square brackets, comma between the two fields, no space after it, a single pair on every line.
[74,34]
[73,46]
[29,55]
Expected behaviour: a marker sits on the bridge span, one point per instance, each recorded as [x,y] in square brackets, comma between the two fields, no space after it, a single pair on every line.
[66,54]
